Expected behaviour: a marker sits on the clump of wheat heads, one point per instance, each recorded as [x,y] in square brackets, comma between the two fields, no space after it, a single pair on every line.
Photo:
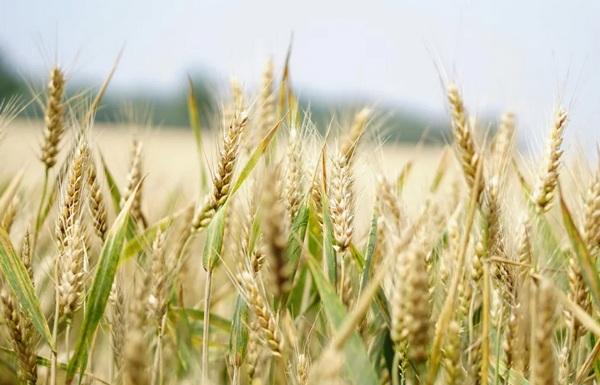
[319,276]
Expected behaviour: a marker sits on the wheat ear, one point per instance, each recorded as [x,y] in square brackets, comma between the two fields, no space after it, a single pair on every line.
[266,101]
[264,316]
[20,328]
[70,271]
[591,227]
[72,196]
[463,135]
[275,236]
[543,361]
[54,117]
[342,203]
[294,173]
[96,203]
[134,180]
[548,178]
[356,132]
[222,180]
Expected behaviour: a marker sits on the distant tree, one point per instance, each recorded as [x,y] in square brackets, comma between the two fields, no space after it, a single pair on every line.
[9,82]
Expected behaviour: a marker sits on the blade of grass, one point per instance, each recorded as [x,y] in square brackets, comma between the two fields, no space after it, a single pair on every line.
[137,243]
[255,157]
[112,185]
[441,170]
[89,116]
[194,118]
[214,239]
[297,233]
[448,306]
[369,252]
[16,276]
[588,269]
[238,338]
[217,321]
[100,290]
[10,191]
[328,239]
[357,358]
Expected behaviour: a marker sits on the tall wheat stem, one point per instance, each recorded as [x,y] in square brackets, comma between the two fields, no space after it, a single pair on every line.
[38,216]
[236,375]
[207,292]
[485,327]
[158,369]
[54,360]
[67,336]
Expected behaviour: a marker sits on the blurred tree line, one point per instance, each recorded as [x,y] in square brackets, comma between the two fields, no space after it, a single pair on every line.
[171,110]
[9,82]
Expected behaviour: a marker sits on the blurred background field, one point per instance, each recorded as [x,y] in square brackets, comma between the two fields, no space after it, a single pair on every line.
[171,163]
[391,55]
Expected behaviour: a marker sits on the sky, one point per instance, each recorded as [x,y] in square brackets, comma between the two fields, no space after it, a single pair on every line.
[524,56]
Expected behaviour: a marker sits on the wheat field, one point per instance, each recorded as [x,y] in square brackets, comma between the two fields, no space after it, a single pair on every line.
[265,250]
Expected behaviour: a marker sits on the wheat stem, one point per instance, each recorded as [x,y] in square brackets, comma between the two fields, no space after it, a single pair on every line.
[205,328]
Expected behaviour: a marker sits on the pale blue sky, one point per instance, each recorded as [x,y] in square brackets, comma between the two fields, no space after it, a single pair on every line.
[521,55]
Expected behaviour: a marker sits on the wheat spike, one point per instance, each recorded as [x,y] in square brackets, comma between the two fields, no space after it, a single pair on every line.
[158,280]
[135,362]
[96,203]
[543,361]
[275,237]
[70,273]
[398,302]
[237,102]
[342,203]
[266,101]
[502,146]
[253,354]
[356,132]
[264,316]
[222,180]
[417,307]
[548,178]
[294,174]
[54,116]
[8,217]
[21,333]
[463,136]
[389,203]
[72,195]
[591,227]
[134,180]
[118,322]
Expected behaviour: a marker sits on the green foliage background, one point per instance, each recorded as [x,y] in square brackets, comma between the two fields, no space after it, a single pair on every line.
[171,110]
